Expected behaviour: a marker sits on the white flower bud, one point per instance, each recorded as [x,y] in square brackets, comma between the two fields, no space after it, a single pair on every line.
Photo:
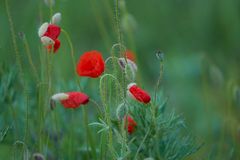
[56,18]
[60,96]
[43,28]
[46,41]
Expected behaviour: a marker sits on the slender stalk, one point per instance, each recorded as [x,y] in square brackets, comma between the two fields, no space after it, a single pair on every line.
[29,55]
[73,58]
[14,41]
[101,26]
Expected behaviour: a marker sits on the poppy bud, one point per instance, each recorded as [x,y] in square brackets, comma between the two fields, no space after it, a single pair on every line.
[38,156]
[56,18]
[71,99]
[91,64]
[130,124]
[130,68]
[46,41]
[138,94]
[42,29]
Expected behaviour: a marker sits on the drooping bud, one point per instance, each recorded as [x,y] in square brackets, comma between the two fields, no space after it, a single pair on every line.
[38,156]
[130,68]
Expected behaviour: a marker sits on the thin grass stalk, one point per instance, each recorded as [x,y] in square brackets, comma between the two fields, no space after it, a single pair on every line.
[29,55]
[85,114]
[101,26]
[73,58]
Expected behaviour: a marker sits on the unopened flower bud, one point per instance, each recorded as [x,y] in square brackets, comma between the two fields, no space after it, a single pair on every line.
[38,156]
[130,68]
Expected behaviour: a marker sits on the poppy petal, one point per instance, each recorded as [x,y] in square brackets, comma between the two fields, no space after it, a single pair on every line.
[56,46]
[47,41]
[75,99]
[53,31]
[42,29]
[130,55]
[56,18]
[131,124]
[91,64]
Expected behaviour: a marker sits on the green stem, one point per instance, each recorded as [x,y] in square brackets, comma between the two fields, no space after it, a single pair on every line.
[73,57]
[28,52]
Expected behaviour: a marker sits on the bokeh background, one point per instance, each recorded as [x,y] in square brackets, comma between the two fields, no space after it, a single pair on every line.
[201,44]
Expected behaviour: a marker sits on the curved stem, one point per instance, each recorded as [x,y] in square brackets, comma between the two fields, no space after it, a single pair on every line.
[73,57]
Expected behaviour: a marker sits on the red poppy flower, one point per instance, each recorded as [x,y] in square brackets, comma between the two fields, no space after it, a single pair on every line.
[56,46]
[91,64]
[48,34]
[130,55]
[53,31]
[71,99]
[131,124]
[138,94]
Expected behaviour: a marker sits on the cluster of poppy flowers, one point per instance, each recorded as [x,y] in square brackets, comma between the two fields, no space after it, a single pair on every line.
[91,64]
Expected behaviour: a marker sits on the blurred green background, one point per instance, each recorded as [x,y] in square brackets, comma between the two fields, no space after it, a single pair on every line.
[200,39]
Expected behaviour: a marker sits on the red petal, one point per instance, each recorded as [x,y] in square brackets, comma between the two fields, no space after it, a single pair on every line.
[91,64]
[53,31]
[131,124]
[130,55]
[139,94]
[75,99]
[56,46]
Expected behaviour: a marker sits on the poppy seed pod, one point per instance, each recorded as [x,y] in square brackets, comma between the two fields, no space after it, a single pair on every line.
[71,99]
[130,124]
[138,94]
[56,18]
[91,64]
